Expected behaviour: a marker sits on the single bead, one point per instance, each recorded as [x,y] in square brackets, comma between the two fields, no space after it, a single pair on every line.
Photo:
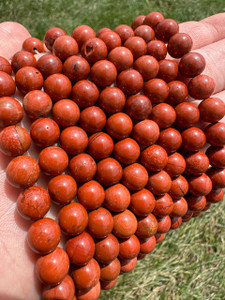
[130,82]
[119,125]
[82,167]
[168,70]
[216,156]
[125,224]
[129,248]
[145,32]
[192,64]
[156,90]
[107,285]
[179,187]
[199,185]
[201,87]
[147,226]
[117,198]
[14,140]
[159,237]
[176,164]
[112,100]
[49,64]
[111,39]
[138,21]
[73,140]
[170,139]
[125,32]
[193,139]
[11,111]
[57,86]
[64,291]
[166,29]
[92,294]
[163,205]
[136,45]
[66,113]
[51,35]
[138,107]
[83,33]
[146,132]
[91,195]
[94,50]
[159,183]
[62,189]
[215,134]
[85,93]
[180,207]
[212,109]
[73,218]
[121,57]
[142,202]
[179,44]
[53,160]
[127,151]
[153,19]
[33,45]
[164,224]
[92,119]
[80,249]
[100,223]
[135,177]
[196,203]
[109,171]
[100,145]
[111,271]
[178,92]
[28,79]
[53,267]
[217,177]
[76,68]
[196,163]
[22,59]
[127,265]
[22,171]
[187,114]
[106,249]
[147,66]
[33,203]
[175,222]
[7,84]
[163,114]
[215,196]
[157,49]
[44,235]
[154,158]
[103,73]
[65,46]
[5,66]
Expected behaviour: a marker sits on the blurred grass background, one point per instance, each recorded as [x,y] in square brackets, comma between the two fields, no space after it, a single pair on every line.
[190,262]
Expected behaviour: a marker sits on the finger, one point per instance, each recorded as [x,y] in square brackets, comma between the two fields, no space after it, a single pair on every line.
[206,31]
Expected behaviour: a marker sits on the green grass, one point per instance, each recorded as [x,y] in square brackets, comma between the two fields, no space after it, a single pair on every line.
[189,263]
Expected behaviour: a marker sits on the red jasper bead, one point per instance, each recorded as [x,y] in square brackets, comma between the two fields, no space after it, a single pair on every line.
[111,271]
[14,140]
[125,224]
[22,59]
[178,92]
[11,111]
[73,140]
[153,19]
[154,158]
[136,45]
[193,139]
[5,65]
[51,35]
[200,185]
[176,164]
[87,276]
[28,79]
[179,188]
[76,68]
[159,183]
[166,29]
[170,139]
[7,85]
[157,90]
[180,207]
[157,49]
[164,224]
[92,294]
[44,235]
[91,195]
[125,32]
[107,249]
[179,44]
[168,70]
[33,45]
[103,73]
[109,171]
[65,290]
[92,119]
[121,57]
[100,145]
[49,64]
[117,198]
[65,46]
[129,248]
[175,222]
[163,205]
[142,202]
[107,285]
[138,21]
[187,114]
[196,203]
[73,218]
[130,81]
[217,177]
[196,163]
[112,100]
[147,245]
[62,189]
[147,226]
[44,132]
[66,113]
[192,64]
[126,151]
[83,33]
[57,86]
[146,132]
[80,249]
[53,267]
[159,237]
[53,160]
[215,196]
[201,87]
[82,167]
[163,114]
[145,32]
[100,223]
[94,50]
[135,177]
[127,265]
[216,156]
[119,125]
[37,104]
[138,107]
[215,134]
[111,39]
[85,93]
[22,171]
[147,66]
[212,109]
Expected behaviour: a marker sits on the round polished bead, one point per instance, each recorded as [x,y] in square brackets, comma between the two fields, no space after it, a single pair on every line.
[53,160]
[192,64]
[146,132]
[216,156]
[125,224]
[106,249]
[126,151]
[159,237]
[33,45]
[5,65]
[159,183]
[107,285]
[153,19]
[44,235]
[112,100]
[85,93]
[180,207]
[168,70]
[196,163]
[142,202]
[138,21]
[37,104]
[156,90]
[154,158]
[164,224]
[212,109]
[127,265]
[22,171]
[179,44]
[100,145]
[145,32]
[22,59]
[92,119]
[178,92]
[62,189]
[166,29]
[64,291]
[53,267]
[179,187]
[217,177]
[215,196]
[196,203]
[135,177]
[157,49]
[163,205]
[49,64]
[147,245]
[109,171]
[130,81]
[129,248]
[57,86]
[175,222]
[136,45]
[215,134]
[7,84]
[201,87]
[82,167]
[100,223]
[91,195]
[193,139]
[138,107]
[66,113]
[187,114]
[65,46]
[73,218]
[94,50]
[176,164]
[80,249]
[44,132]
[119,125]
[117,198]
[103,73]
[73,140]
[14,140]
[82,33]
[28,79]
[121,57]
[51,35]
[111,271]
[111,39]
[200,185]
[163,114]
[170,139]
[147,226]
[147,66]
[76,68]
[33,203]
[125,32]
[92,293]
[11,111]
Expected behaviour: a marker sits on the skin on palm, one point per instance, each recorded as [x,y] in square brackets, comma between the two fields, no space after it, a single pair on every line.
[17,260]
